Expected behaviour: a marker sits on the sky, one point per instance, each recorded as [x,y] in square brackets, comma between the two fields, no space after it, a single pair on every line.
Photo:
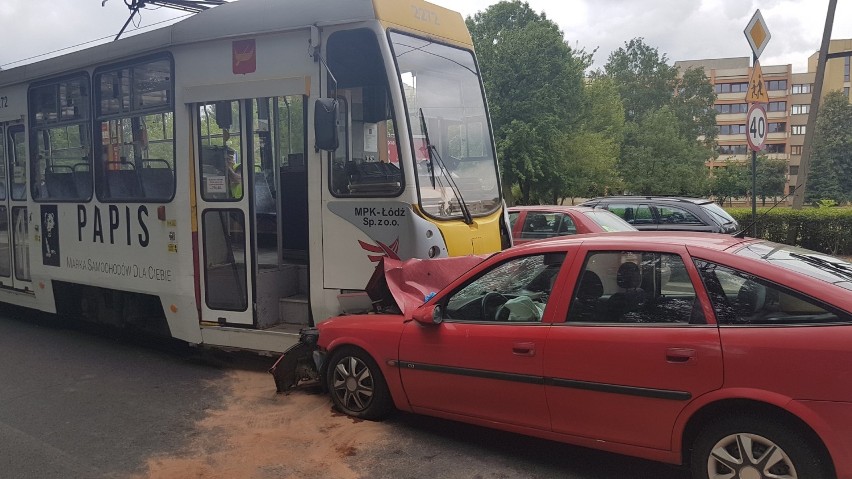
[680,29]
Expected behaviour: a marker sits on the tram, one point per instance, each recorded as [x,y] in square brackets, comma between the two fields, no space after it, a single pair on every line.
[237,175]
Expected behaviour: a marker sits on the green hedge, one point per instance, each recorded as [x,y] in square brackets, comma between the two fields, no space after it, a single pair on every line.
[827,230]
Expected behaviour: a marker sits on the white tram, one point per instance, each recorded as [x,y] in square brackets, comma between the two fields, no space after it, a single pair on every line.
[234,176]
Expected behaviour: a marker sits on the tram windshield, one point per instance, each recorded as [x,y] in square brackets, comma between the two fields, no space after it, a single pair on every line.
[442,84]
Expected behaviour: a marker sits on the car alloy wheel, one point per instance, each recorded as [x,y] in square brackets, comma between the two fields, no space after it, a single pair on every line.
[356,384]
[757,446]
[749,456]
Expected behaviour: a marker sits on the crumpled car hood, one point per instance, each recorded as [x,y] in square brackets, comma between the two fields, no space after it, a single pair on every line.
[403,285]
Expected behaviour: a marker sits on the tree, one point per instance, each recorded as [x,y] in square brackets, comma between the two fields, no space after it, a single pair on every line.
[534,81]
[770,177]
[645,81]
[830,176]
[657,159]
[670,122]
[730,181]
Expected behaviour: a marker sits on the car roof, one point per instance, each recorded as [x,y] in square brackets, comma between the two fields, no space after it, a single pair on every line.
[632,240]
[680,199]
[552,208]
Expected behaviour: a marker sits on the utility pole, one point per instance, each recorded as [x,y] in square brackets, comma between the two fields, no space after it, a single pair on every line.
[816,94]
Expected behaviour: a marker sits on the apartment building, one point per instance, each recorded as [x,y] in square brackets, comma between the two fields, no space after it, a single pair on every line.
[787,111]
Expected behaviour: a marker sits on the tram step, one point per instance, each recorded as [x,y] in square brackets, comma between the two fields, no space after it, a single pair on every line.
[294,309]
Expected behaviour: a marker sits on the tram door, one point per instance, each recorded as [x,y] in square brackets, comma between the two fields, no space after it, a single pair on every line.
[14,217]
[252,208]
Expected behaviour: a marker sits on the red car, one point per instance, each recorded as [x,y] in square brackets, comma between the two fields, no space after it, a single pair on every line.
[731,355]
[530,223]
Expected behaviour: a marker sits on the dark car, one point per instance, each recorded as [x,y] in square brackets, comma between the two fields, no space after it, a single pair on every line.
[530,223]
[668,213]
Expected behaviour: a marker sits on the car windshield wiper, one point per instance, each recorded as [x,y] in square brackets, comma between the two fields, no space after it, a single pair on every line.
[433,155]
[833,266]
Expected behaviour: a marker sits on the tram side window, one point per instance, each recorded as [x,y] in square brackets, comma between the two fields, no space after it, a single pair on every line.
[17,163]
[221,151]
[60,140]
[367,161]
[2,166]
[135,113]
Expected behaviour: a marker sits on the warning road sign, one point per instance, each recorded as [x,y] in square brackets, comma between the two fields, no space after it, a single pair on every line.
[756,87]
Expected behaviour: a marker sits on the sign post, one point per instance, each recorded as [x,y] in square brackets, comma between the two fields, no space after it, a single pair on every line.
[758,36]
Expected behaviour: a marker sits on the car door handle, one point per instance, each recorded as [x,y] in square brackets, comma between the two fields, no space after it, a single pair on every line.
[680,355]
[523,349]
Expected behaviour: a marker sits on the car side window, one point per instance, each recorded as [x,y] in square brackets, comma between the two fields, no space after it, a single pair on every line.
[540,225]
[633,214]
[514,291]
[740,298]
[634,287]
[566,226]
[673,215]
[513,218]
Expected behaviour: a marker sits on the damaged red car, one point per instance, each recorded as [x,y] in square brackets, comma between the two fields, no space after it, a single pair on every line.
[729,355]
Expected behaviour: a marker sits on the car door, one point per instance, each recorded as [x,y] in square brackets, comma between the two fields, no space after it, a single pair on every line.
[634,349]
[484,361]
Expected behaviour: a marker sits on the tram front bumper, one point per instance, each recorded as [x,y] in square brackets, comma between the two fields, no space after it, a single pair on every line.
[300,364]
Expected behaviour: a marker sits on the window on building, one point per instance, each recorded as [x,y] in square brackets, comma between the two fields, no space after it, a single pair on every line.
[728,108]
[60,140]
[777,106]
[802,109]
[733,149]
[776,147]
[798,129]
[732,129]
[135,131]
[731,87]
[794,169]
[846,69]
[795,150]
[846,91]
[776,127]
[802,88]
[776,85]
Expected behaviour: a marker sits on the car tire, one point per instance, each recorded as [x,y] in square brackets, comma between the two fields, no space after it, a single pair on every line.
[776,450]
[356,384]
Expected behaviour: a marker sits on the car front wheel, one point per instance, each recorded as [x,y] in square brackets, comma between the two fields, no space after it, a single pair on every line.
[356,384]
[749,447]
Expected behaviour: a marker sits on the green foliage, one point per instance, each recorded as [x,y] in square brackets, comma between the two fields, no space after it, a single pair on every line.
[730,181]
[830,176]
[534,81]
[820,229]
[771,176]
[657,159]
[670,129]
[645,80]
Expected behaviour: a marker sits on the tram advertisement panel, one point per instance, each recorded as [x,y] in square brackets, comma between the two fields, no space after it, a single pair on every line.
[50,235]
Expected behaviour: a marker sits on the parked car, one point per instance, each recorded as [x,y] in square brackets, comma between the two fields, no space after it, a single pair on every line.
[669,213]
[531,223]
[732,355]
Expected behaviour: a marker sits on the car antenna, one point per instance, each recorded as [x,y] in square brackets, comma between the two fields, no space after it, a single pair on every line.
[741,233]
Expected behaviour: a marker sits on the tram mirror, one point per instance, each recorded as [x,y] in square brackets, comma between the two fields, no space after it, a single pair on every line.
[223,115]
[325,124]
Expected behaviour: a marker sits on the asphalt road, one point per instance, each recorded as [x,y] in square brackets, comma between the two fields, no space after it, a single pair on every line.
[74,404]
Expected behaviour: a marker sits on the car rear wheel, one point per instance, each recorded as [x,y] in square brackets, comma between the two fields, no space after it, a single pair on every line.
[752,447]
[356,384]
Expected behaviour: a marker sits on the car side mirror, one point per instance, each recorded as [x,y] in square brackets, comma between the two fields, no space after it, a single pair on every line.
[325,124]
[429,314]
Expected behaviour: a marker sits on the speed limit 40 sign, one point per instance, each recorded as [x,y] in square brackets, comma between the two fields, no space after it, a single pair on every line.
[756,128]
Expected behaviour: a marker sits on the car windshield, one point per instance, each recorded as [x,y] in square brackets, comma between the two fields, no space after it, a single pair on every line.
[609,221]
[718,213]
[816,265]
[443,92]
